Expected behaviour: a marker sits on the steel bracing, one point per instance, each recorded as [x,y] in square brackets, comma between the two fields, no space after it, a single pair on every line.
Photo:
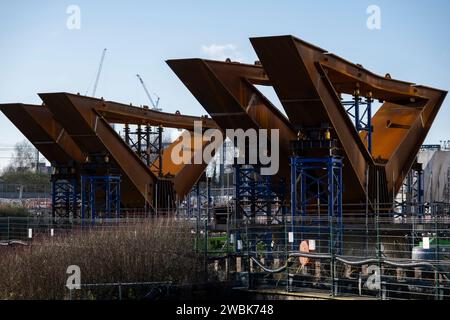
[316,196]
[100,197]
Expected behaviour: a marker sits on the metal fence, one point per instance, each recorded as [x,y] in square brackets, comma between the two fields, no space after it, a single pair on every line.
[24,191]
[121,291]
[27,229]
[169,243]
[370,256]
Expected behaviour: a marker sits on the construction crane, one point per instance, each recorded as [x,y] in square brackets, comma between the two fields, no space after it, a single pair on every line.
[99,72]
[154,105]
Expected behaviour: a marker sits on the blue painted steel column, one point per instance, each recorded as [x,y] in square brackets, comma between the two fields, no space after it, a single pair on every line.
[293,195]
[74,199]
[109,199]
[53,197]
[357,120]
[83,198]
[208,195]
[369,124]
[340,213]
[331,202]
[92,198]
[420,192]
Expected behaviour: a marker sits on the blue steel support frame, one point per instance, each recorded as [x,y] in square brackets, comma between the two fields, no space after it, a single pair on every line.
[414,185]
[420,192]
[90,188]
[255,196]
[64,197]
[203,196]
[320,183]
[361,112]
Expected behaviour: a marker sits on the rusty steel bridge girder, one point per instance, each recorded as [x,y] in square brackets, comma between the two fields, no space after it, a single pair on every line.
[227,92]
[119,113]
[305,77]
[94,136]
[308,81]
[83,120]
[83,128]
[38,125]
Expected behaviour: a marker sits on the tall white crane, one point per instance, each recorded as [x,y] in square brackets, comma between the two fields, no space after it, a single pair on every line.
[99,72]
[154,105]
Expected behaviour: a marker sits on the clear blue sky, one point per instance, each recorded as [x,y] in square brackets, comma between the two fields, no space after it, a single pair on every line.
[40,54]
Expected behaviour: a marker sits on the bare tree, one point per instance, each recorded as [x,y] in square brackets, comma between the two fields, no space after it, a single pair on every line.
[24,155]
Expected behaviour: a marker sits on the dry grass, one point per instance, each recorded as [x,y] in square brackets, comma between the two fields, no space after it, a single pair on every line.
[157,250]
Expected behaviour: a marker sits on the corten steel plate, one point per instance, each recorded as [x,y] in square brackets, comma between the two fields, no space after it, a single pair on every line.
[52,140]
[82,119]
[38,125]
[120,113]
[308,78]
[227,92]
[94,135]
[308,81]
[183,176]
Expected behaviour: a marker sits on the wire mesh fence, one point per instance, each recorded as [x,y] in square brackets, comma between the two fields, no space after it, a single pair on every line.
[373,256]
[120,291]
[125,258]
[24,191]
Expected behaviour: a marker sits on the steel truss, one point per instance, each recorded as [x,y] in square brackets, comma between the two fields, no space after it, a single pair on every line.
[412,192]
[100,196]
[65,193]
[202,205]
[316,189]
[146,141]
[258,201]
[258,197]
[361,112]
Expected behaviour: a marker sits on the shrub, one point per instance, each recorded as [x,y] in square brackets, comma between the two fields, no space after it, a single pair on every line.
[154,250]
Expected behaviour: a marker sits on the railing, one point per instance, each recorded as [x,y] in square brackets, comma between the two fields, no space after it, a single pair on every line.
[24,191]
[120,291]
[378,257]
[385,255]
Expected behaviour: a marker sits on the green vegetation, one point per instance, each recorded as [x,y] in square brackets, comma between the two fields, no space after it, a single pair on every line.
[20,172]
[30,180]
[13,211]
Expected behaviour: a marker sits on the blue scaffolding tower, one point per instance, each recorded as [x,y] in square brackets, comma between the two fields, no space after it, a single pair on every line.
[65,194]
[316,187]
[412,192]
[256,197]
[201,192]
[100,196]
[361,112]
[259,194]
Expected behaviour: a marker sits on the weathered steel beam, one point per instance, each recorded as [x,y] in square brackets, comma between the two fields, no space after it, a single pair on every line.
[227,93]
[83,122]
[94,135]
[115,112]
[184,176]
[38,125]
[308,81]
